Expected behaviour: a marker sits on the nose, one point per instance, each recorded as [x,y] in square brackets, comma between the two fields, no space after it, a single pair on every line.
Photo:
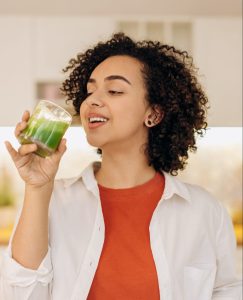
[94,100]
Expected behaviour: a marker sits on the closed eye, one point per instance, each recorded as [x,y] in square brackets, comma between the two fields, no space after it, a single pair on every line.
[115,92]
[110,92]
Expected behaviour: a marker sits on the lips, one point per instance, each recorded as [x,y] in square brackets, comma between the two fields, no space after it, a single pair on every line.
[97,123]
[94,115]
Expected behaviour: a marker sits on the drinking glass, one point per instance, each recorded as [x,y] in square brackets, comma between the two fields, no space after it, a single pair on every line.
[46,127]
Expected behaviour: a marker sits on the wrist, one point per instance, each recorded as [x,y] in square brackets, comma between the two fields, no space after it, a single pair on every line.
[39,193]
[40,187]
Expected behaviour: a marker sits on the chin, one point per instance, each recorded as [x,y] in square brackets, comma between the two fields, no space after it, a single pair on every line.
[94,142]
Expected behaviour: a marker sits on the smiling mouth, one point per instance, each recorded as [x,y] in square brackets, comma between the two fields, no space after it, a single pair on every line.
[95,120]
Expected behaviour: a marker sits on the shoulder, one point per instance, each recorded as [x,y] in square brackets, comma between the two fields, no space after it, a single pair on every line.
[204,203]
[196,208]
[193,193]
[200,200]
[200,194]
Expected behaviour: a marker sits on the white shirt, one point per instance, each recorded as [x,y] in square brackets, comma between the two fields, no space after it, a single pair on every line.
[191,234]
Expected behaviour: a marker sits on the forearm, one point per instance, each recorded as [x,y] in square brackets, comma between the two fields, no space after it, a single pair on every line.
[30,241]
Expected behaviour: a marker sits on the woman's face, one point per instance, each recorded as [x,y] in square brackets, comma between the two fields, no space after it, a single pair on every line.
[113,114]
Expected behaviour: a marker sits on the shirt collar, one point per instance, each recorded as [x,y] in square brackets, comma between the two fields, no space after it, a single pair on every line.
[88,178]
[172,184]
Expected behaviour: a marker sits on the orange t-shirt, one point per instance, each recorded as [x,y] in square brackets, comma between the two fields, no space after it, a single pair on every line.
[126,268]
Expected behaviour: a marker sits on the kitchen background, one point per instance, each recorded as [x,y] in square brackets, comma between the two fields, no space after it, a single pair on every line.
[38,39]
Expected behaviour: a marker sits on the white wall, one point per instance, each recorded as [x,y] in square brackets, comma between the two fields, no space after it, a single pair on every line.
[125,7]
[57,39]
[16,68]
[34,49]
[218,53]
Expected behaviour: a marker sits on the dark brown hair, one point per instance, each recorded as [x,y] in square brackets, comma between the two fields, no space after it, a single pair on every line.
[171,82]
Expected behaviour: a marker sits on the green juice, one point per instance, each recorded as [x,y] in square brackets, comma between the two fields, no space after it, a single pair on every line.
[47,134]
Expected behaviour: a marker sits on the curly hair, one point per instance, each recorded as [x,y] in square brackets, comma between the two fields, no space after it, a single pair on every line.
[171,83]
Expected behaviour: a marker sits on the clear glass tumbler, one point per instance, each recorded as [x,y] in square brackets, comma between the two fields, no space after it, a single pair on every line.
[46,127]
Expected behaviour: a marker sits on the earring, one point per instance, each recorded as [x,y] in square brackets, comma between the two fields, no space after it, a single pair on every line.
[148,123]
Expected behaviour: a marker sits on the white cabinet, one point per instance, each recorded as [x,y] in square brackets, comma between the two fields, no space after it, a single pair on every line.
[173,31]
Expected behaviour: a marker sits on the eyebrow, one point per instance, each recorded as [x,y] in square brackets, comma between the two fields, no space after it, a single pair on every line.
[111,77]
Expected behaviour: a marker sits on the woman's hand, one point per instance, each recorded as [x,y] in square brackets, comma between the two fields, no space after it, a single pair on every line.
[33,169]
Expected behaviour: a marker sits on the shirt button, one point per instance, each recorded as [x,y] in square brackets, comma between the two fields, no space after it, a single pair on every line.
[90,263]
[99,228]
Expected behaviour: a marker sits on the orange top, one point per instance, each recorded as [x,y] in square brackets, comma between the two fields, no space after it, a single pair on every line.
[126,268]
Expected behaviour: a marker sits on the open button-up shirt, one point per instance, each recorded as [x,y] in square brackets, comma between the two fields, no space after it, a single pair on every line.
[191,236]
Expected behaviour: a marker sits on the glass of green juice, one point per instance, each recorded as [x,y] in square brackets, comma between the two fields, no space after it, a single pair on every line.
[46,127]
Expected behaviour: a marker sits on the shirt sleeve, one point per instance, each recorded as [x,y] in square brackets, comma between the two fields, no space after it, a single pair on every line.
[227,285]
[20,283]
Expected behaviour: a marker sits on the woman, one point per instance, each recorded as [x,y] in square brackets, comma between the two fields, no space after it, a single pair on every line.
[125,228]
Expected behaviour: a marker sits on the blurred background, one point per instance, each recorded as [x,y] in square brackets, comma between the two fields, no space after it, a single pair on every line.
[38,38]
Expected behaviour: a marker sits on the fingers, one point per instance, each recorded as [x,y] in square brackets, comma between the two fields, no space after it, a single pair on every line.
[62,146]
[23,150]
[27,149]
[22,125]
[13,153]
[26,116]
[61,149]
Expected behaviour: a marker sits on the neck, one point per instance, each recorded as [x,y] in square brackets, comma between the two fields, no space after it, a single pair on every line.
[122,169]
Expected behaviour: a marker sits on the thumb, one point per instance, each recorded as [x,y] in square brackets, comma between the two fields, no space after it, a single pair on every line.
[61,149]
[62,146]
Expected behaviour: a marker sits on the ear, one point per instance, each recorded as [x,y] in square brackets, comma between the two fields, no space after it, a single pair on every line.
[155,114]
